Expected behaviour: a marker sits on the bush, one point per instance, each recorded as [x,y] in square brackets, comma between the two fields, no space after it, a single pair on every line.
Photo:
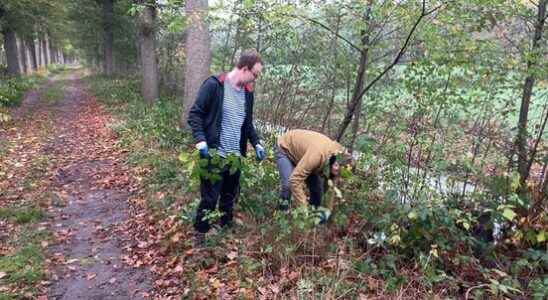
[12,90]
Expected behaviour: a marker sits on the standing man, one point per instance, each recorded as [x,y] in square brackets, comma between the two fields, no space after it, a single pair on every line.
[222,119]
[307,158]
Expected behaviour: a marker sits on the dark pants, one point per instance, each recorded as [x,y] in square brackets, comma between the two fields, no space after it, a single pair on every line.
[226,189]
[286,167]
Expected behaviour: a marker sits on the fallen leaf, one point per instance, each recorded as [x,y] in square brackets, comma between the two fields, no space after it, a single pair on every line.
[91,276]
[3,274]
[232,255]
[112,280]
[176,237]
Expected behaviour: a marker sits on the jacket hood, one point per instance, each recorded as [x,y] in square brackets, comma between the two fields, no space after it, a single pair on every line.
[248,87]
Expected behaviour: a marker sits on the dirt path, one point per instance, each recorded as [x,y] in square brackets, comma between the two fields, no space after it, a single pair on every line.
[88,187]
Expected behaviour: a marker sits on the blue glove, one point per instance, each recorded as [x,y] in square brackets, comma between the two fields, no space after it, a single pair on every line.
[283,205]
[202,149]
[259,151]
[322,215]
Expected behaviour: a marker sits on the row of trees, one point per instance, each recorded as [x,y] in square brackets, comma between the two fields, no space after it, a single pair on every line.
[31,35]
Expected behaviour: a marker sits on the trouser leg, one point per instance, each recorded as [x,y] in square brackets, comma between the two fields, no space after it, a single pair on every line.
[210,194]
[315,185]
[229,191]
[285,168]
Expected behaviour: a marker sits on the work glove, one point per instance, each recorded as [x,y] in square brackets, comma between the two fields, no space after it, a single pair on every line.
[202,149]
[283,205]
[322,215]
[259,151]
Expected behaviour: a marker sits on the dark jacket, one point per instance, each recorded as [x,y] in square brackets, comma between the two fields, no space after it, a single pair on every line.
[206,114]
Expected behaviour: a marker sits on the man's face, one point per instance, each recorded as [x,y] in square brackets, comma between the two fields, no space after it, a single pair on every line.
[252,74]
[335,169]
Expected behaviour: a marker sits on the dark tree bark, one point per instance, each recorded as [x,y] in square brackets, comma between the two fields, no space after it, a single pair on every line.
[12,53]
[149,62]
[39,57]
[32,54]
[48,50]
[198,53]
[45,50]
[364,61]
[23,57]
[108,38]
[332,76]
[521,139]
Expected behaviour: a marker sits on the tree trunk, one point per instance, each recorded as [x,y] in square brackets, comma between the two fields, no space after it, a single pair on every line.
[364,61]
[149,62]
[39,57]
[48,50]
[32,54]
[45,50]
[23,57]
[198,53]
[108,42]
[332,76]
[521,139]
[12,53]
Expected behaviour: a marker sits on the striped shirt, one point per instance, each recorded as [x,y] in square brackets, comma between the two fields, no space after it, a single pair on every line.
[232,120]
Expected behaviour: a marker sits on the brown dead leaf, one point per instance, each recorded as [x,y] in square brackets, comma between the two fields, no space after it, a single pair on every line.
[90,276]
[3,274]
[176,237]
[179,269]
[112,280]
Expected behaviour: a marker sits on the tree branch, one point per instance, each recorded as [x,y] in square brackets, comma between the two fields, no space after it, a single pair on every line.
[402,49]
[352,107]
[314,21]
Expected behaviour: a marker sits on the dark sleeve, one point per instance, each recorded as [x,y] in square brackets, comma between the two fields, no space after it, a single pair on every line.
[200,109]
[251,133]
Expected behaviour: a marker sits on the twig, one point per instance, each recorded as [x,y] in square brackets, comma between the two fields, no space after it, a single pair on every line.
[474,287]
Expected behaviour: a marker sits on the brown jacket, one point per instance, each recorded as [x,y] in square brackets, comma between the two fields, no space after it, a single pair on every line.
[309,151]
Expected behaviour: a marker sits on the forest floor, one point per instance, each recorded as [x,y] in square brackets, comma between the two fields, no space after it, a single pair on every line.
[63,200]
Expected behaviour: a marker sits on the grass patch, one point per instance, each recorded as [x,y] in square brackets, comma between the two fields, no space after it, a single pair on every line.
[54,93]
[22,215]
[24,266]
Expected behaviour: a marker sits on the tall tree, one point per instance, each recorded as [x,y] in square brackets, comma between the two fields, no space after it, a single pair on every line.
[12,53]
[197,50]
[533,57]
[149,62]
[108,38]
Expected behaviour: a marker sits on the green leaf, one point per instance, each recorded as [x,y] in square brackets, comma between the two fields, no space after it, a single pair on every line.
[509,214]
[412,215]
[541,237]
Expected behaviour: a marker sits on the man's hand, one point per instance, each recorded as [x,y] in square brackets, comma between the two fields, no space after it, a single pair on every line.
[259,151]
[202,148]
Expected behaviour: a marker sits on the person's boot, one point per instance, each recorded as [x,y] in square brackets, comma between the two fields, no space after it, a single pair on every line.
[198,240]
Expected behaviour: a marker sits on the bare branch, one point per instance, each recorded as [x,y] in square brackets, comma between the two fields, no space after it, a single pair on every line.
[351,108]
[314,21]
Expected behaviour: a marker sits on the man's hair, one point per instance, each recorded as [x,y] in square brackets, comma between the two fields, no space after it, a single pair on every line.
[248,59]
